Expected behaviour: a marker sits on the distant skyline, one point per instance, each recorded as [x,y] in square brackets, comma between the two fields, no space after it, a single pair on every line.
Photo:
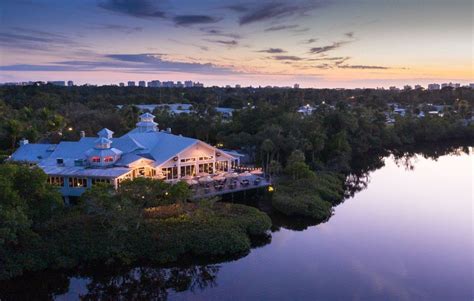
[315,43]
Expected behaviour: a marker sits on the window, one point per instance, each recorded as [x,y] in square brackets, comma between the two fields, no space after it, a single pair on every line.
[56,181]
[188,170]
[188,160]
[206,158]
[108,159]
[95,159]
[206,167]
[78,182]
[170,173]
[222,165]
[101,180]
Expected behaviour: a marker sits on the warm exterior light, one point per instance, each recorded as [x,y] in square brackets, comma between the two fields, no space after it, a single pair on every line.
[69,129]
[270,189]
[166,193]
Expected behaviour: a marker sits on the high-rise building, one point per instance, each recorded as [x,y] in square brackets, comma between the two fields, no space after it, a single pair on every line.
[168,84]
[237,86]
[407,87]
[418,87]
[70,83]
[131,83]
[121,84]
[450,84]
[471,85]
[296,86]
[198,85]
[432,87]
[154,84]
[188,84]
[142,83]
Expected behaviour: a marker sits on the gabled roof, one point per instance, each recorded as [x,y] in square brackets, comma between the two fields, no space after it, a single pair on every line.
[127,144]
[33,152]
[162,146]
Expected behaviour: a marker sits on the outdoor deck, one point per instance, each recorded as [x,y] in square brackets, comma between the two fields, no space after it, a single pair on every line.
[204,189]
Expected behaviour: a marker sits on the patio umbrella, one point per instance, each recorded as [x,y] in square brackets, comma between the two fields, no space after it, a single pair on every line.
[205,179]
[257,172]
[219,178]
[231,175]
[192,182]
[245,175]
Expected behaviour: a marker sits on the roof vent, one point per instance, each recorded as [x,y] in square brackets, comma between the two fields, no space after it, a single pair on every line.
[79,162]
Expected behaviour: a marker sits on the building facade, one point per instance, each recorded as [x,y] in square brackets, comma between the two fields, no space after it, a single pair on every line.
[145,151]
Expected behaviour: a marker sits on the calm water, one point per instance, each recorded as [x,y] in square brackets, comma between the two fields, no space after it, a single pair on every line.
[407,236]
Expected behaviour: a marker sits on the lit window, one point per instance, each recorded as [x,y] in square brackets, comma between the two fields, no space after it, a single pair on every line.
[56,181]
[95,159]
[78,182]
[108,159]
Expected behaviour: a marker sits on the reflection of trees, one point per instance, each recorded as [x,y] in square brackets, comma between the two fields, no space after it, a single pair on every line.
[359,177]
[112,283]
[146,283]
[407,157]
[294,223]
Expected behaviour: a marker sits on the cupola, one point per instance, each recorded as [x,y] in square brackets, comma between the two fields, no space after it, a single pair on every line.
[103,154]
[147,123]
[106,133]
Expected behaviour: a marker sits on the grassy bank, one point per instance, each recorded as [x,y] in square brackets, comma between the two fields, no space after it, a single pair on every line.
[312,196]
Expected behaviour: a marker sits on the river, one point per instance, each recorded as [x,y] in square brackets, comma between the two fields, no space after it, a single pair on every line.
[407,236]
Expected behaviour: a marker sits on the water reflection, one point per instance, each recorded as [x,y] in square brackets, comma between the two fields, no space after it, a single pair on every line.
[111,283]
[147,283]
[323,247]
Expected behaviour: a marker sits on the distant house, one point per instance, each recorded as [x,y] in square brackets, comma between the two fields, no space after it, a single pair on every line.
[400,111]
[173,108]
[306,110]
[145,151]
[226,113]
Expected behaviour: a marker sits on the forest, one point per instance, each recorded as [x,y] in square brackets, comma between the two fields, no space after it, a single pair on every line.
[310,159]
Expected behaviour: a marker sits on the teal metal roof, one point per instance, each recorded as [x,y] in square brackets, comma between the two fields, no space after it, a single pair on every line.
[33,152]
[157,146]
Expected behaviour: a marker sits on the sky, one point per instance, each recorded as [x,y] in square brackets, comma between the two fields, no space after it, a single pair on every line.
[316,43]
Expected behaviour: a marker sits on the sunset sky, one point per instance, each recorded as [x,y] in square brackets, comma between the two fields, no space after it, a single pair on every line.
[326,43]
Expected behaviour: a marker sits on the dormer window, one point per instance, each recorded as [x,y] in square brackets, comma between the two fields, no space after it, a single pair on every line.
[95,159]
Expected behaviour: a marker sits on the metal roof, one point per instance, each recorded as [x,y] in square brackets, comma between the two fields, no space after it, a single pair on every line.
[33,152]
[153,145]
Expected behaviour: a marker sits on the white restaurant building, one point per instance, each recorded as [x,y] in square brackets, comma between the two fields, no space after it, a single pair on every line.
[143,152]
